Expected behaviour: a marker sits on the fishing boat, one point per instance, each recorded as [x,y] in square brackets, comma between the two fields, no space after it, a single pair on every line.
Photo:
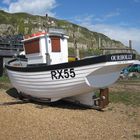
[47,75]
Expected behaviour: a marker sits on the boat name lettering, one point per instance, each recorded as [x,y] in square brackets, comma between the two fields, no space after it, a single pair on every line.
[63,73]
[121,57]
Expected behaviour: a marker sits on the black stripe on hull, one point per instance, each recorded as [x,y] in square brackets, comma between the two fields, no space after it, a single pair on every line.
[78,63]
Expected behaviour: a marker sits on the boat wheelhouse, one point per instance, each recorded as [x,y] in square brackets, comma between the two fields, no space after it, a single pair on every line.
[49,48]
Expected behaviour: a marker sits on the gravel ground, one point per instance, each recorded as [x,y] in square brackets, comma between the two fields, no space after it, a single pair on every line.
[61,121]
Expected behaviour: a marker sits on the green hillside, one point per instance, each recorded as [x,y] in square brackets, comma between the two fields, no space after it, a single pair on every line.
[23,23]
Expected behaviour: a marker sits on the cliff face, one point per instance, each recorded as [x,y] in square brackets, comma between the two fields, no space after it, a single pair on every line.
[22,23]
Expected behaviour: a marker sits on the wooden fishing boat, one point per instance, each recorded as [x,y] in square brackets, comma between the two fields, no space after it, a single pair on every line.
[46,74]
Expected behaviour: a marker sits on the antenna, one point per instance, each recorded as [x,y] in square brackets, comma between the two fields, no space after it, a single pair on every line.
[49,22]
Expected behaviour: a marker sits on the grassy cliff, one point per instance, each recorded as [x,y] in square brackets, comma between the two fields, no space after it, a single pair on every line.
[23,23]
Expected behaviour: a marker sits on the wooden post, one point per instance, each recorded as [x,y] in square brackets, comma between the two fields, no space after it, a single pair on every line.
[99,43]
[130,46]
[1,66]
[104,98]
[77,55]
[77,51]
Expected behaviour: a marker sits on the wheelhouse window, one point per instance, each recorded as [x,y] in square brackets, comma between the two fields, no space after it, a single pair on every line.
[32,46]
[55,44]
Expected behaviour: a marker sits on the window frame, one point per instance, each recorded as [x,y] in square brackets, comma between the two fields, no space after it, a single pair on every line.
[55,44]
[32,46]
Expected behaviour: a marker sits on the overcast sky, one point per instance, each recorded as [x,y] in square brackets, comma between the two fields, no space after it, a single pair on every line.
[118,19]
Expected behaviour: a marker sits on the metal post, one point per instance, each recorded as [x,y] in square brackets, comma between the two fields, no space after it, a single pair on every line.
[130,46]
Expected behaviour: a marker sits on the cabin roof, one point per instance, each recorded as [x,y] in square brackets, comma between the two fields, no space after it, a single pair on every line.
[42,34]
[34,36]
[51,32]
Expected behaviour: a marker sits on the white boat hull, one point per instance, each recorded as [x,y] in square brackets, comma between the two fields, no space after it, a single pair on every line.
[87,78]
